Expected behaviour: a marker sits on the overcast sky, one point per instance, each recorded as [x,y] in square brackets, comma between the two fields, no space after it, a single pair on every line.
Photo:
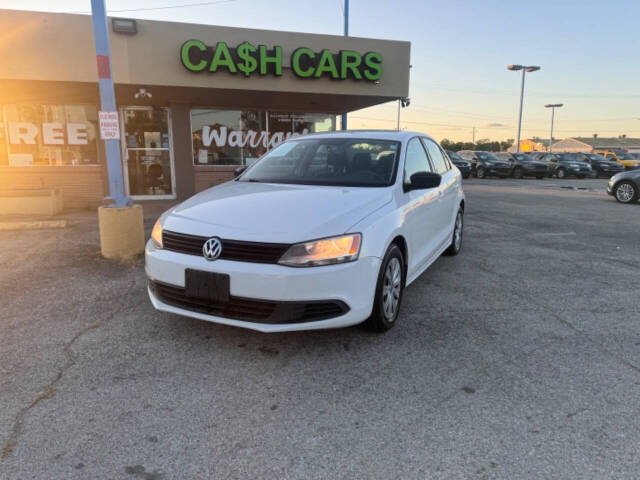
[588,50]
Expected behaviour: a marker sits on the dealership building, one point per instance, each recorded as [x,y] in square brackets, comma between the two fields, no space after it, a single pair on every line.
[194,101]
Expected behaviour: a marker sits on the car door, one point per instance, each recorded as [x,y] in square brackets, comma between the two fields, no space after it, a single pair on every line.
[420,209]
[448,190]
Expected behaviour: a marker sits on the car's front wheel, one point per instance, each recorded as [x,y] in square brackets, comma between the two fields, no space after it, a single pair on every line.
[518,172]
[481,172]
[386,304]
[561,173]
[626,192]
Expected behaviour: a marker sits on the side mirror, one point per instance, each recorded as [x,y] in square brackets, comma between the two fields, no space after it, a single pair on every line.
[423,180]
[238,171]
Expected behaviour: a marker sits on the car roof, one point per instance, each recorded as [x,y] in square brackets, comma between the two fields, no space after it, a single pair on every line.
[399,136]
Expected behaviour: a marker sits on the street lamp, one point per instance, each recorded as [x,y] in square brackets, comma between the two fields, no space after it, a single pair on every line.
[553,107]
[525,69]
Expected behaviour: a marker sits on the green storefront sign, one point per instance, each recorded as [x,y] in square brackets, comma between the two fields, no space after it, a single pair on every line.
[247,59]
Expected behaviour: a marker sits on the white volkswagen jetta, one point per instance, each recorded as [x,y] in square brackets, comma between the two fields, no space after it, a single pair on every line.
[323,231]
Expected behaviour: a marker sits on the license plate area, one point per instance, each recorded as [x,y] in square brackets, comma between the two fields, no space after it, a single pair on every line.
[210,286]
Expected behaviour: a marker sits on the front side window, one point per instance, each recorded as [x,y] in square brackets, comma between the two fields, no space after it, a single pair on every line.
[48,135]
[416,159]
[439,163]
[328,161]
[240,137]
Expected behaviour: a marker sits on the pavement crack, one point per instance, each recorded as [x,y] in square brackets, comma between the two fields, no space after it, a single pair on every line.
[49,390]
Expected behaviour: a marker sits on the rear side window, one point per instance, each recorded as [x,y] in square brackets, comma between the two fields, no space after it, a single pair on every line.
[416,160]
[439,163]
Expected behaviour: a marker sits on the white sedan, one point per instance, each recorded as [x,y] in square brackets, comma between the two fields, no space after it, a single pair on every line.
[323,231]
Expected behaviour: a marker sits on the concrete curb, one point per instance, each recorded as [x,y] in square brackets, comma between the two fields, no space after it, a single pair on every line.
[33,225]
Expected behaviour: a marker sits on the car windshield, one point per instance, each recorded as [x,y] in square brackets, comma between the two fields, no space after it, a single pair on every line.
[455,157]
[625,156]
[596,157]
[487,156]
[521,157]
[343,162]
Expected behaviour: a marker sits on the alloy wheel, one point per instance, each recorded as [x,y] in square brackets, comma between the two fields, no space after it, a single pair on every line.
[457,232]
[392,283]
[625,192]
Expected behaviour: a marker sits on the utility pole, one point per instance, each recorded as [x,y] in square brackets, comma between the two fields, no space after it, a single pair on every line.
[346,34]
[108,101]
[553,107]
[121,224]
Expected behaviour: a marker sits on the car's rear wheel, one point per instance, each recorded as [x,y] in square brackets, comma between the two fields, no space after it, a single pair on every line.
[626,192]
[481,172]
[390,286]
[561,173]
[456,239]
[539,177]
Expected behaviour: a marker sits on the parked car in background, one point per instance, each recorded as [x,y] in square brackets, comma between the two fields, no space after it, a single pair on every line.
[625,159]
[522,165]
[463,166]
[600,166]
[563,165]
[625,186]
[320,232]
[485,163]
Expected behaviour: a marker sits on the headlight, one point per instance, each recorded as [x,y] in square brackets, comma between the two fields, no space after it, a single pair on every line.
[156,234]
[327,251]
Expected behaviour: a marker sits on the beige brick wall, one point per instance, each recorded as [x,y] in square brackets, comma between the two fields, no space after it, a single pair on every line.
[81,187]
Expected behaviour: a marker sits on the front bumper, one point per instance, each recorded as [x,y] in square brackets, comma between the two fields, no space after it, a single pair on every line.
[351,283]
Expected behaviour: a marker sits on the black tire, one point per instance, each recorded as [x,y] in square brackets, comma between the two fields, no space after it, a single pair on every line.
[626,192]
[539,177]
[518,172]
[481,172]
[595,173]
[466,175]
[561,173]
[580,176]
[456,246]
[379,321]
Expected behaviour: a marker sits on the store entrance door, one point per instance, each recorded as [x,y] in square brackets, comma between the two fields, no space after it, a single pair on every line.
[148,152]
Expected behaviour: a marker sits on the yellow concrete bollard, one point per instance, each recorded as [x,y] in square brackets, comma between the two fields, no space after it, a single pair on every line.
[121,232]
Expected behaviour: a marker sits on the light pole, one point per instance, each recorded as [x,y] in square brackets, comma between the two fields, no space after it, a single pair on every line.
[402,102]
[525,69]
[346,34]
[553,107]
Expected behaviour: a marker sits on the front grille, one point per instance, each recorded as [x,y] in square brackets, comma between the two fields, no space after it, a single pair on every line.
[253,310]
[237,250]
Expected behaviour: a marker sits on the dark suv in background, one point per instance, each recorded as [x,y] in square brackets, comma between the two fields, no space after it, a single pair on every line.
[463,166]
[522,165]
[485,163]
[564,165]
[600,166]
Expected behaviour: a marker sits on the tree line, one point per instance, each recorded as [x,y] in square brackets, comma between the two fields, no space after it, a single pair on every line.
[483,144]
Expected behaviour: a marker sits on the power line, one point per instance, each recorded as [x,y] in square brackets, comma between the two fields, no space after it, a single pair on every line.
[166,7]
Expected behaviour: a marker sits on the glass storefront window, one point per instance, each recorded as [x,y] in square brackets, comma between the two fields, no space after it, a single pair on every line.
[48,135]
[234,137]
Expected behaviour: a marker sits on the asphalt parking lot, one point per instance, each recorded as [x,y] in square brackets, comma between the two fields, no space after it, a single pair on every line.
[519,358]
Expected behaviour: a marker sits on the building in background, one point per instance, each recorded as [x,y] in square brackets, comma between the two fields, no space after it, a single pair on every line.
[195,101]
[588,144]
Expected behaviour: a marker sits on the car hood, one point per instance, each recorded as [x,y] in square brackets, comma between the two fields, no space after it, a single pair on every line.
[280,213]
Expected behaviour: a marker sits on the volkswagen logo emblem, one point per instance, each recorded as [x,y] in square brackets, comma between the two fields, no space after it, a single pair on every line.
[212,248]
